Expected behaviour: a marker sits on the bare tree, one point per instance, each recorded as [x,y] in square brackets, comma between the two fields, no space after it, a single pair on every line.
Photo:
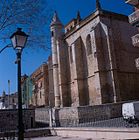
[31,15]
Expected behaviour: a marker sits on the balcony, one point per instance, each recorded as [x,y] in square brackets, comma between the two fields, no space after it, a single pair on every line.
[135,40]
[134,18]
[132,2]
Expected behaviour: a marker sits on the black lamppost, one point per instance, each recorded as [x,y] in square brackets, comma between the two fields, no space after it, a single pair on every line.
[19,39]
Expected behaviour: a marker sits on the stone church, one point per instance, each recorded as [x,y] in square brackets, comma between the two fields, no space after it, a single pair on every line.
[93,60]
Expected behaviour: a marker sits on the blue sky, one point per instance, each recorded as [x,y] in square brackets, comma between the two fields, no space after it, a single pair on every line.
[31,59]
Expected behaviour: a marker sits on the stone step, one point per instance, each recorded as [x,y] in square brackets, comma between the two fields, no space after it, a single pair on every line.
[37,132]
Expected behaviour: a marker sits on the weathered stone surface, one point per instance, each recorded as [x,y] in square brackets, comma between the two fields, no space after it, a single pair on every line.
[42,115]
[95,61]
[9,119]
[40,79]
[69,115]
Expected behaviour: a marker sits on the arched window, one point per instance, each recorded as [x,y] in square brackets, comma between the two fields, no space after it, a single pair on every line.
[88,45]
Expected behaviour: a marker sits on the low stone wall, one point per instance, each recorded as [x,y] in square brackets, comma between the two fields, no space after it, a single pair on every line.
[9,119]
[42,115]
[100,112]
[38,132]
[74,115]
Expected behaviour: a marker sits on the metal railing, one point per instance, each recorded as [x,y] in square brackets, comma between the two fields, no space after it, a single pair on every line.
[8,135]
[83,120]
[115,122]
[134,18]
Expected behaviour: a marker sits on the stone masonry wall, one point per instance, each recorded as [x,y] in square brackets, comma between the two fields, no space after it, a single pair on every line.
[83,114]
[70,115]
[42,115]
[100,112]
[9,119]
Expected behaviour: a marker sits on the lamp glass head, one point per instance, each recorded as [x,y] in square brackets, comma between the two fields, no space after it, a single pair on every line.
[19,39]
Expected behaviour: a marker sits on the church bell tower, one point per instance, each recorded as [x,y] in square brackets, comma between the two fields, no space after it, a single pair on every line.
[56,35]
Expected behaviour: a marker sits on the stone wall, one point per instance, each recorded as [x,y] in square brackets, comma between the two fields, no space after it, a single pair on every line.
[100,112]
[100,57]
[70,115]
[76,115]
[9,119]
[128,84]
[42,115]
[51,85]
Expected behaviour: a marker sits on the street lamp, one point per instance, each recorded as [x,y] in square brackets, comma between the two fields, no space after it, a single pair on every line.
[19,39]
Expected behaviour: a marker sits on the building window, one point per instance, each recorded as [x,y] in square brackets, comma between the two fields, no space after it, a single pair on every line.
[88,45]
[71,56]
[71,27]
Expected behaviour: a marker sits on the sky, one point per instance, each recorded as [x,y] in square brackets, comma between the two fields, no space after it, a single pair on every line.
[32,59]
